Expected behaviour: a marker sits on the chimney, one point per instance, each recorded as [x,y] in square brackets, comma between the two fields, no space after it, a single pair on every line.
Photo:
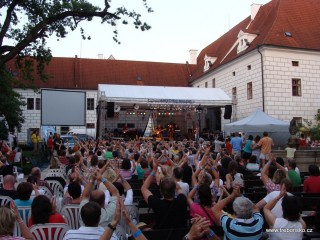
[254,10]
[193,56]
[100,56]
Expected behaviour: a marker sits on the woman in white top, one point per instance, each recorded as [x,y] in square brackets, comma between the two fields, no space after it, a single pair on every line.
[291,225]
[218,144]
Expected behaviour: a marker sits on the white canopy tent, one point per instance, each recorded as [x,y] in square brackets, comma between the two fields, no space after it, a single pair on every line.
[147,96]
[258,122]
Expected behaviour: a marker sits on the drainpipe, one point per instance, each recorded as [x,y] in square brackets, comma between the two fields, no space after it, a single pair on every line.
[262,78]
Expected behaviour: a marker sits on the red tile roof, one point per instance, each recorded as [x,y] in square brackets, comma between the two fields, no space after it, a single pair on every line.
[299,17]
[70,73]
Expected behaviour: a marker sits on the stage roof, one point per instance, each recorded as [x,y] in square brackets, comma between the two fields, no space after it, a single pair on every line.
[123,95]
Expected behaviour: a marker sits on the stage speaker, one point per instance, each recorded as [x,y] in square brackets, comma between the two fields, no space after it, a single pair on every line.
[110,109]
[227,112]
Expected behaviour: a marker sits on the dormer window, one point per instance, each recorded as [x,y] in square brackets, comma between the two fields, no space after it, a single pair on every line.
[208,62]
[244,40]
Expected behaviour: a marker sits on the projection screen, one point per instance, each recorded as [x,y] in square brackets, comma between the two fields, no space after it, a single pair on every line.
[63,108]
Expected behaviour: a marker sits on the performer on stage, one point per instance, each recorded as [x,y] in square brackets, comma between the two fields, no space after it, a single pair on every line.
[159,129]
[171,131]
[124,129]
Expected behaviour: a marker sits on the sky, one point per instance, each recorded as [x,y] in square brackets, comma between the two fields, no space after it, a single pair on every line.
[176,27]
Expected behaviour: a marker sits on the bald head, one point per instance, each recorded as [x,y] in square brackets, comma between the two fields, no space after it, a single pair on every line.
[98,197]
[36,172]
[8,182]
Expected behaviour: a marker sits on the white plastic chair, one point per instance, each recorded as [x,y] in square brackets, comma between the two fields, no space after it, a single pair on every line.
[4,200]
[25,214]
[52,231]
[57,173]
[120,234]
[133,212]
[71,213]
[56,187]
[46,191]
[1,181]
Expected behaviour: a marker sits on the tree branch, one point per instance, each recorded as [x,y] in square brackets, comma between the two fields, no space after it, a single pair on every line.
[37,31]
[7,21]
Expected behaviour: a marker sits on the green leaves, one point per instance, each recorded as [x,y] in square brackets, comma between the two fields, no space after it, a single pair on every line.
[25,26]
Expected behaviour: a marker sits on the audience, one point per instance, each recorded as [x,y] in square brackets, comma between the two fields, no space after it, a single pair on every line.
[103,190]
[291,219]
[272,183]
[24,191]
[8,188]
[170,212]
[247,222]
[98,196]
[312,183]
[292,174]
[36,173]
[43,211]
[73,194]
[8,218]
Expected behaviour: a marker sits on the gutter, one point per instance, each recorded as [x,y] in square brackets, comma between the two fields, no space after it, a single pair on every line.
[262,77]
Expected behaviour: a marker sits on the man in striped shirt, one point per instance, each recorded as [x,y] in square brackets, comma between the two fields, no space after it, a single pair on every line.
[247,223]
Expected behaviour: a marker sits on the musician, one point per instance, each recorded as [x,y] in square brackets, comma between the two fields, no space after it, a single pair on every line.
[171,131]
[124,129]
[159,129]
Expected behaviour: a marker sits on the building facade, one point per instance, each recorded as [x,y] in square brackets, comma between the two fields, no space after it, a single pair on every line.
[270,61]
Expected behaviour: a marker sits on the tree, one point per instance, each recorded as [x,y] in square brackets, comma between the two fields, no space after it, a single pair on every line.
[26,26]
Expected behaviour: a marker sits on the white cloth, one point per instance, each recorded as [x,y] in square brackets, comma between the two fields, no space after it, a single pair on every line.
[106,213]
[129,197]
[17,157]
[86,233]
[184,188]
[284,224]
[277,209]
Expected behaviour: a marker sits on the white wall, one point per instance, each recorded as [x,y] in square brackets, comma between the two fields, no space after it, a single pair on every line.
[278,74]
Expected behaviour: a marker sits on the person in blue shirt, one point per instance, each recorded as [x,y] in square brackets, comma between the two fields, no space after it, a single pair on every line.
[247,151]
[236,143]
[24,191]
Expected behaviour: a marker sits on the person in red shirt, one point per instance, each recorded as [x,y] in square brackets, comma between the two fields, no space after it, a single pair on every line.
[303,143]
[43,211]
[312,183]
[228,146]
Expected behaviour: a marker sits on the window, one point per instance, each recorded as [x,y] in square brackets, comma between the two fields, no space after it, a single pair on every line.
[298,121]
[234,91]
[214,83]
[30,103]
[295,63]
[249,67]
[249,90]
[296,87]
[90,125]
[206,84]
[64,130]
[38,104]
[90,103]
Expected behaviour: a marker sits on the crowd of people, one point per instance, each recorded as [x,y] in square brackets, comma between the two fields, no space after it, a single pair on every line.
[201,185]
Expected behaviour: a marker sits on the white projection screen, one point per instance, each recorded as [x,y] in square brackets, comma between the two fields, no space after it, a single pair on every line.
[63,108]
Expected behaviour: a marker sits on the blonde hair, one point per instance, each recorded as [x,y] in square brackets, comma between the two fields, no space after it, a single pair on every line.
[7,221]
[278,176]
[55,163]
